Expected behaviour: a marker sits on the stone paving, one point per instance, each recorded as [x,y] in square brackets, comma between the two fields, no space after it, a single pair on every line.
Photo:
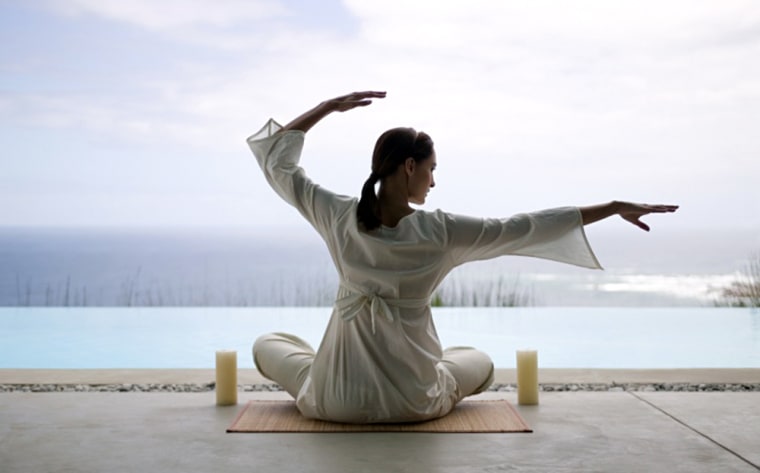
[575,430]
[271,387]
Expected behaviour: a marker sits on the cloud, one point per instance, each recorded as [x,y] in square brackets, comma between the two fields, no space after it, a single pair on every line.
[448,22]
[239,26]
[528,69]
[172,15]
[594,97]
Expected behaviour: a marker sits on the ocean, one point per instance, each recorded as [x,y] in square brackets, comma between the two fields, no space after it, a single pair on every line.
[129,267]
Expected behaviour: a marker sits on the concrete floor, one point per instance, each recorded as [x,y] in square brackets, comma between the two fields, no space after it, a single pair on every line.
[502,375]
[573,431]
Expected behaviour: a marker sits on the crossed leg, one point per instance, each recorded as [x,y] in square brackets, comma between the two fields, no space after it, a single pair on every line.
[283,358]
[286,360]
[472,369]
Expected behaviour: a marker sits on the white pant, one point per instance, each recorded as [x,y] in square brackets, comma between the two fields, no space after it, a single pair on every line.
[286,360]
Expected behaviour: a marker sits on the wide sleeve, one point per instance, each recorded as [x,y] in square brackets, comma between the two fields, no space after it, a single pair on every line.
[554,234]
[278,154]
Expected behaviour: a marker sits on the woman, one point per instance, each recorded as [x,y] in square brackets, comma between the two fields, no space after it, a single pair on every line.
[380,359]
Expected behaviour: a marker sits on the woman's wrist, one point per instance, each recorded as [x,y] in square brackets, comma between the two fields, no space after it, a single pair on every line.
[326,107]
[594,213]
[615,207]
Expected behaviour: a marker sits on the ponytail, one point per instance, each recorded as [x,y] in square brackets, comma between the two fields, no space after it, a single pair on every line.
[391,150]
[367,211]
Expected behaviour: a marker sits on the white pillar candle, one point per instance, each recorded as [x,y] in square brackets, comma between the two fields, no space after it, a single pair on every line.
[527,377]
[226,377]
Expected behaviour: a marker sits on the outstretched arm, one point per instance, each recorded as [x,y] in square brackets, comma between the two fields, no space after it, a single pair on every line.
[627,211]
[305,121]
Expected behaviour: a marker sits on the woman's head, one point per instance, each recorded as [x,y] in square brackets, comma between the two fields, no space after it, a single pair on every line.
[398,147]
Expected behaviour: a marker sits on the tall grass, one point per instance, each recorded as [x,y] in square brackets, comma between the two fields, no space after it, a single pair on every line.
[502,292]
[296,290]
[745,291]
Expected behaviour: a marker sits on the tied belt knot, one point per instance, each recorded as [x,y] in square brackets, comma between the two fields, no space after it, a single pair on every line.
[351,302]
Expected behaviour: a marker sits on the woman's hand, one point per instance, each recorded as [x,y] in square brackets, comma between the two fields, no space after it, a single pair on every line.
[339,104]
[633,212]
[353,100]
[627,210]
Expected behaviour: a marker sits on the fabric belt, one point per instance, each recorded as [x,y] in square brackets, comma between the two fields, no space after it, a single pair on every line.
[351,302]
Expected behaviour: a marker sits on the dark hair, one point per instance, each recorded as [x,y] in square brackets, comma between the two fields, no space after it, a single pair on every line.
[391,150]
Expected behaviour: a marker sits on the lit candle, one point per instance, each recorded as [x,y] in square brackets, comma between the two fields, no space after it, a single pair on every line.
[226,377]
[527,377]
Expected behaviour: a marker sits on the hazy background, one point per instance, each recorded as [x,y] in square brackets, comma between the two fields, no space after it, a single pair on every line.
[136,113]
[133,115]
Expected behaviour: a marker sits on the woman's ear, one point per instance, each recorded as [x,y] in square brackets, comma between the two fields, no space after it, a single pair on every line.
[409,165]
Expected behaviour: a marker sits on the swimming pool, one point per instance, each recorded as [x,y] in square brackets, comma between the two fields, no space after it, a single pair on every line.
[79,338]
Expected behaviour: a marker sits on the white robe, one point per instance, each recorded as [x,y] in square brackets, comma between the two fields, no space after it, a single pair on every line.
[379,358]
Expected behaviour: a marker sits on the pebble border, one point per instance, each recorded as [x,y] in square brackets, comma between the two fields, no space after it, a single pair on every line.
[198,388]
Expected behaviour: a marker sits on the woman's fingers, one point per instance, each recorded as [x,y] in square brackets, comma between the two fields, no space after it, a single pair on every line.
[639,224]
[356,99]
[367,94]
[663,208]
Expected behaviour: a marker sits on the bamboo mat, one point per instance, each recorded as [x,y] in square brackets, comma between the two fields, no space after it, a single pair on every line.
[467,417]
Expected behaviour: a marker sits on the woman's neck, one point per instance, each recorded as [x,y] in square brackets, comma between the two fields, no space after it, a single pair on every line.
[393,204]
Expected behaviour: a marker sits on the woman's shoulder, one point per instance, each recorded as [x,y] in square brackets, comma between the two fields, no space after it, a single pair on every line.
[437,217]
[432,224]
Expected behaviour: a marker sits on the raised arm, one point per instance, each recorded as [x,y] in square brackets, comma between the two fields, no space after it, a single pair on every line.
[627,210]
[305,121]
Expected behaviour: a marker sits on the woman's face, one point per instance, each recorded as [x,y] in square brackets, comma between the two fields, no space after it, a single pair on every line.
[421,178]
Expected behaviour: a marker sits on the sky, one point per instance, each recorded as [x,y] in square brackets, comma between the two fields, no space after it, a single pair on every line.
[116,113]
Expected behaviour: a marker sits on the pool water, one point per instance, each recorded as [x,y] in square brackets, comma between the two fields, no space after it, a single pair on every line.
[623,338]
